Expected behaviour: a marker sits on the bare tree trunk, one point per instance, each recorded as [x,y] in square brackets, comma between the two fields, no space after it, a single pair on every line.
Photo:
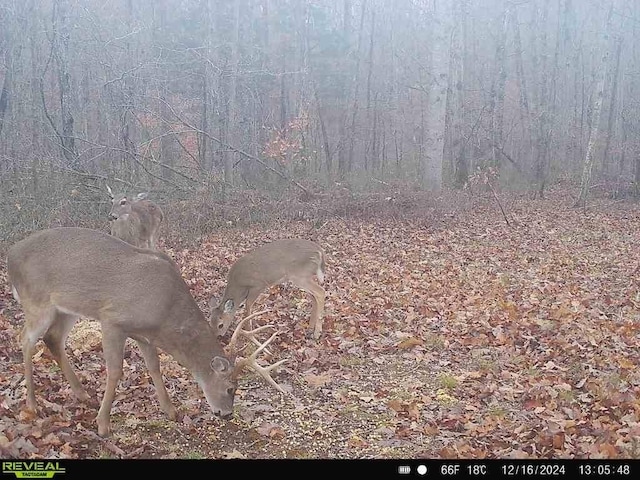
[438,108]
[548,106]
[597,108]
[284,98]
[233,93]
[450,116]
[371,116]
[461,165]
[167,140]
[637,170]
[325,138]
[127,114]
[606,164]
[542,104]
[203,138]
[5,93]
[567,65]
[498,86]
[351,132]
[343,96]
[62,25]
[375,157]
[525,110]
[35,122]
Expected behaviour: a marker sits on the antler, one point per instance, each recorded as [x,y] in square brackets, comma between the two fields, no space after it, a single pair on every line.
[251,361]
[231,346]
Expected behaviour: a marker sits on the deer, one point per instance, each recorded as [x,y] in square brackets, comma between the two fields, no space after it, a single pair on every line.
[295,260]
[136,221]
[61,274]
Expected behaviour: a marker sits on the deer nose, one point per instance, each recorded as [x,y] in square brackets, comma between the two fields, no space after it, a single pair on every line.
[223,416]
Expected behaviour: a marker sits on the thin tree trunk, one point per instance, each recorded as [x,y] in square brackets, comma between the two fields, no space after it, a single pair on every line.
[233,93]
[549,106]
[597,108]
[498,87]
[36,117]
[437,110]
[371,116]
[203,139]
[541,67]
[128,103]
[5,93]
[637,172]
[525,111]
[356,93]
[461,161]
[167,140]
[612,108]
[343,97]
[325,138]
[62,25]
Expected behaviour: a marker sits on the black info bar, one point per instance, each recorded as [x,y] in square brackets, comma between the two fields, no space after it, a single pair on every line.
[62,469]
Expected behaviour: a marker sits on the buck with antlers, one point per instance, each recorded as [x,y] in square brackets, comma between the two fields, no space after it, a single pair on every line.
[294,259]
[61,274]
[136,221]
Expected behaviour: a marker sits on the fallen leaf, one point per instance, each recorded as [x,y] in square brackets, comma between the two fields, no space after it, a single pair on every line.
[558,440]
[396,405]
[270,430]
[409,343]
[233,454]
[357,442]
[317,380]
[276,432]
[413,411]
[432,430]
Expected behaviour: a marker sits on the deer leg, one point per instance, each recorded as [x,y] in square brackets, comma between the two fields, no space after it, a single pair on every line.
[150,354]
[318,296]
[113,349]
[36,324]
[55,339]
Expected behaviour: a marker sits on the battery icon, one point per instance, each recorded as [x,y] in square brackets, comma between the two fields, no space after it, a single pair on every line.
[404,469]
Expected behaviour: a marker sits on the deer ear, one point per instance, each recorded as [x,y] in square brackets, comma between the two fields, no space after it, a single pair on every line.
[228,306]
[142,195]
[220,364]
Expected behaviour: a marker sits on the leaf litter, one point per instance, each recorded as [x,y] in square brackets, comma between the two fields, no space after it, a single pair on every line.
[470,340]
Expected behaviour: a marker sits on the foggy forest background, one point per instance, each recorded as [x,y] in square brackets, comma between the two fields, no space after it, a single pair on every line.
[212,104]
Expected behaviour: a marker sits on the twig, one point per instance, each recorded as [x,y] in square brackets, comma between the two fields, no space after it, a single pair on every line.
[495,195]
[379,181]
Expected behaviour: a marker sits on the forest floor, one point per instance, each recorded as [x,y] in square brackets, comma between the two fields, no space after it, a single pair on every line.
[469,339]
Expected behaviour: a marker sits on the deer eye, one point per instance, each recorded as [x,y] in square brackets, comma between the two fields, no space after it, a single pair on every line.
[123,201]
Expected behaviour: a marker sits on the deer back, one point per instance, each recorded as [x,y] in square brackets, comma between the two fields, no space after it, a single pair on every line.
[276,262]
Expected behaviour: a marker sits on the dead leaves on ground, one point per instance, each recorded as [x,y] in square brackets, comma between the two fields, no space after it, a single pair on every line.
[474,341]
